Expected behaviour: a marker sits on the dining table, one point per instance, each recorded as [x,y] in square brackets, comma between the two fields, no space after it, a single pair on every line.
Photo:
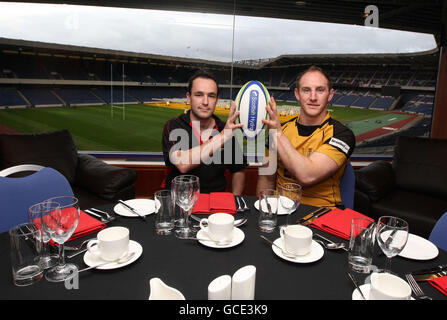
[189,266]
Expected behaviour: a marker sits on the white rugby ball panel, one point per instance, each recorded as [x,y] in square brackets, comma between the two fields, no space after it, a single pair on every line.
[251,101]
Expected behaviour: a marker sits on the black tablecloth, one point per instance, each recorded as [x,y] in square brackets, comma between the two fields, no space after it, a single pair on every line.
[190,266]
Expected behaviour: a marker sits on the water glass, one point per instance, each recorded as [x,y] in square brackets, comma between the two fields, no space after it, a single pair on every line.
[35,213]
[25,254]
[361,245]
[268,209]
[164,212]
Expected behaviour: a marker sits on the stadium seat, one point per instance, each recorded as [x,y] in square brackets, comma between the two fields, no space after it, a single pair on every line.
[439,233]
[347,186]
[18,194]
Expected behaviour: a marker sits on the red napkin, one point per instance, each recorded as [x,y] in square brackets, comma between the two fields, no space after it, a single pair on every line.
[440,284]
[337,222]
[87,225]
[215,202]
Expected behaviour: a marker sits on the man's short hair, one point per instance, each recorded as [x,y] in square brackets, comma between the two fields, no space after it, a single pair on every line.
[202,74]
[312,69]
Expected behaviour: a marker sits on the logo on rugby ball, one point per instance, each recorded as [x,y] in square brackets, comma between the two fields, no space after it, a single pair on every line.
[250,102]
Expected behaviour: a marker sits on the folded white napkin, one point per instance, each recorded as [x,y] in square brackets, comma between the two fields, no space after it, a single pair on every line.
[220,288]
[243,284]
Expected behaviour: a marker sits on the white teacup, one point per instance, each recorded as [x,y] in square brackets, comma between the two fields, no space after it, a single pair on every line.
[112,243]
[220,226]
[386,286]
[297,239]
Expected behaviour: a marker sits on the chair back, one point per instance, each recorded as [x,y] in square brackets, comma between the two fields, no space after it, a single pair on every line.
[438,234]
[18,194]
[347,186]
[20,168]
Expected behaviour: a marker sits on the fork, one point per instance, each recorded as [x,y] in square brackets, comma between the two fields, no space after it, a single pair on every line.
[245,204]
[416,289]
[109,217]
[76,248]
[239,207]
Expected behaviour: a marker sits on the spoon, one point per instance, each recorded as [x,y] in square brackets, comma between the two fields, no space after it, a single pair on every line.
[121,260]
[218,242]
[76,248]
[334,245]
[284,252]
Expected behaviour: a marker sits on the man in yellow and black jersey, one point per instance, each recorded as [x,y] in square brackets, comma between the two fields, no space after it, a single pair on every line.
[312,149]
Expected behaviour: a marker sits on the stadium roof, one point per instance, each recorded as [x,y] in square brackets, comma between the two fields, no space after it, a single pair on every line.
[428,59]
[428,16]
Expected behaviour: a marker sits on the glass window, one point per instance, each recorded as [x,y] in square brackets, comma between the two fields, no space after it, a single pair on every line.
[113,76]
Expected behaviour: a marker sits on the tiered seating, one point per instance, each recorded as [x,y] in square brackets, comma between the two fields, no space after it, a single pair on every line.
[75,96]
[382,103]
[10,97]
[420,104]
[104,94]
[347,100]
[363,102]
[39,96]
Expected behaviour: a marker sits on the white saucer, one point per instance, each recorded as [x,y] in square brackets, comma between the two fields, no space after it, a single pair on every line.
[315,254]
[366,288]
[418,248]
[143,206]
[281,210]
[91,260]
[238,237]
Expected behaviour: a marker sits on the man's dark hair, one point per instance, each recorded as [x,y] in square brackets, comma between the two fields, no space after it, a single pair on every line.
[202,74]
[312,69]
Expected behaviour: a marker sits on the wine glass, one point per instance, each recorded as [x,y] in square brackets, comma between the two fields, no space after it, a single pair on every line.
[35,214]
[392,236]
[60,224]
[186,190]
[290,198]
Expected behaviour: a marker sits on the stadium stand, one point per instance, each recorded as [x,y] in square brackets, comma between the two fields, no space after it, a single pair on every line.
[382,103]
[363,102]
[9,97]
[77,96]
[41,97]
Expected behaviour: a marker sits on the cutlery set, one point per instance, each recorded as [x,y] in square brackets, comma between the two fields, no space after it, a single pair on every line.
[313,215]
[412,278]
[102,215]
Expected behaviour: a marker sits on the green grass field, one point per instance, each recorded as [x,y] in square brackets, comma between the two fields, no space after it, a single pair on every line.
[93,128]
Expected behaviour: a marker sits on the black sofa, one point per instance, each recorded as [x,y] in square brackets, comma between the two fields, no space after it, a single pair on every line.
[93,181]
[412,187]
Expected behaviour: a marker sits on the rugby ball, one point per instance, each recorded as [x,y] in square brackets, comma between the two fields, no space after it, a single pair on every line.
[250,102]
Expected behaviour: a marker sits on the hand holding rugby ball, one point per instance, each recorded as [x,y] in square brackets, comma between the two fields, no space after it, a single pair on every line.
[250,102]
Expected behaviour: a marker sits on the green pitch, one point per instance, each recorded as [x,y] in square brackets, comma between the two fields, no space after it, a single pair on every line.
[93,128]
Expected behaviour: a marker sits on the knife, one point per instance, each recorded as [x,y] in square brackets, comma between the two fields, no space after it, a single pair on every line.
[315,216]
[310,215]
[426,277]
[436,269]
[131,209]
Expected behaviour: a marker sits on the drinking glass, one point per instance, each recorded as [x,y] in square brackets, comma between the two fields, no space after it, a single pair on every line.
[164,212]
[186,190]
[268,208]
[35,214]
[392,236]
[290,198]
[60,224]
[25,256]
